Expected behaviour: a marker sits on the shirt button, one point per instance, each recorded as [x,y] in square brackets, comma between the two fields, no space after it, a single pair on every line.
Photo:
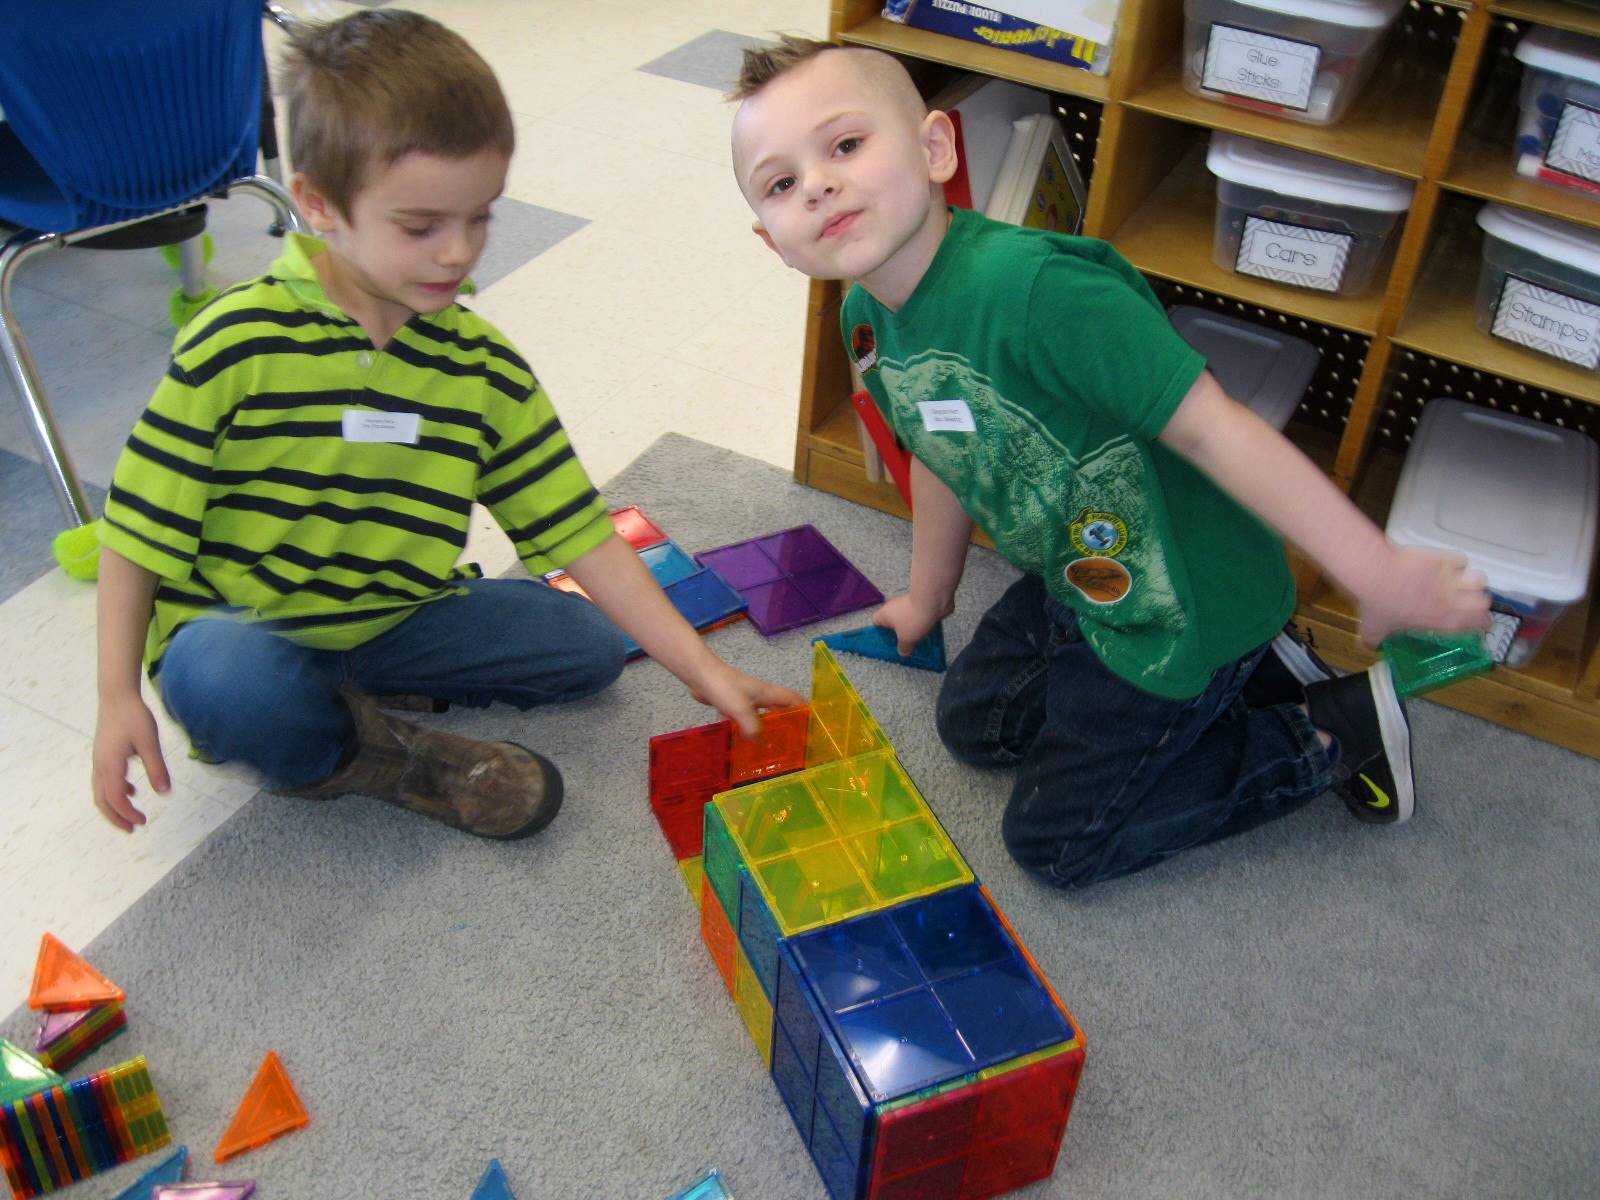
[364,359]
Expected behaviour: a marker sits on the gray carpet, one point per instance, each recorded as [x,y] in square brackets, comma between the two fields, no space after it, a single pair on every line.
[1318,1009]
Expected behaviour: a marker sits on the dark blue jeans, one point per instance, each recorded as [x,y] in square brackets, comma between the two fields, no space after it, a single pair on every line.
[246,695]
[1111,779]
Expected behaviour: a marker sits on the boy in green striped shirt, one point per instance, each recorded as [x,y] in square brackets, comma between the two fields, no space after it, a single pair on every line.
[283,527]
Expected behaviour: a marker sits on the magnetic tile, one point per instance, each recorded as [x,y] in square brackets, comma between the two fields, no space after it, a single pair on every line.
[33,518]
[903,1044]
[711,60]
[863,962]
[668,563]
[1002,1012]
[777,606]
[836,590]
[742,565]
[800,549]
[635,528]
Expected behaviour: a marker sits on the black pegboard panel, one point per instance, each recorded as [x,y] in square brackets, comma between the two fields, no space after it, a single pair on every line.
[1415,378]
[1332,389]
[1425,36]
[1080,119]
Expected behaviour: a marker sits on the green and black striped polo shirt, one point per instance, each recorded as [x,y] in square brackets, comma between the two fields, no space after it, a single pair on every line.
[240,490]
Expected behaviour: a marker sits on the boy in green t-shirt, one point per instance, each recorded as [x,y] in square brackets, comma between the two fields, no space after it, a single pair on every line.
[282,531]
[1138,677]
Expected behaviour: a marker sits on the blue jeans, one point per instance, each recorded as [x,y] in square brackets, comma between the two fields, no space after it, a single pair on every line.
[1109,778]
[246,695]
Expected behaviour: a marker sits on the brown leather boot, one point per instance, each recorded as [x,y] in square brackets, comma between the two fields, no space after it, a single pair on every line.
[493,789]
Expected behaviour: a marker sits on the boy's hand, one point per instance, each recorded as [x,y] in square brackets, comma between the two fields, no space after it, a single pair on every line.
[1427,590]
[737,696]
[125,727]
[911,619]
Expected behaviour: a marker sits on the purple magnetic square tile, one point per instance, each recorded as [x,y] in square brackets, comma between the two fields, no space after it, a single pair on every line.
[779,605]
[742,564]
[836,590]
[801,549]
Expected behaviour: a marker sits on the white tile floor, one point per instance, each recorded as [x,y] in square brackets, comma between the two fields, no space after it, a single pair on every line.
[662,314]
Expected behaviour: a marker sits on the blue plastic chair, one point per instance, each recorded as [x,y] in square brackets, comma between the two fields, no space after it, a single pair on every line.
[121,117]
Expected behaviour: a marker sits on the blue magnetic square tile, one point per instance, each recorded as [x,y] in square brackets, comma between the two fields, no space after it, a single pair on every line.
[758,934]
[842,1172]
[793,1081]
[952,932]
[668,563]
[795,1011]
[705,598]
[903,1045]
[1002,1012]
[856,963]
[841,1098]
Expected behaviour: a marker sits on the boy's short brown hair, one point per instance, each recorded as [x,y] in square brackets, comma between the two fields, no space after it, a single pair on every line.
[760,65]
[378,85]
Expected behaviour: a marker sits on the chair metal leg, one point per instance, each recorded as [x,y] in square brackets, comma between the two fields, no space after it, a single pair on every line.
[25,375]
[275,194]
[192,266]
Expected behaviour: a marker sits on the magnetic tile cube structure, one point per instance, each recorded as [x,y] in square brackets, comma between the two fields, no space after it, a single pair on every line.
[703,597]
[65,1038]
[915,1043]
[791,578]
[62,1134]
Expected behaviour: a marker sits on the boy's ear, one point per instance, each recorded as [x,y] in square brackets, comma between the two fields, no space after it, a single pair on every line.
[317,209]
[760,230]
[939,143]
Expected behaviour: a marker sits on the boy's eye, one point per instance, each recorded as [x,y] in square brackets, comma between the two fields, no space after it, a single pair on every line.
[417,231]
[781,185]
[847,145]
[482,218]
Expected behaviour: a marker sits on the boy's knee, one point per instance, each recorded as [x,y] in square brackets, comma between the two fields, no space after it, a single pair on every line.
[214,665]
[598,657]
[1053,856]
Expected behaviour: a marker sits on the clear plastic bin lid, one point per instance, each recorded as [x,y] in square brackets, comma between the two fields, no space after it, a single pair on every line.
[1561,52]
[1353,14]
[1559,241]
[1261,368]
[1514,495]
[1289,172]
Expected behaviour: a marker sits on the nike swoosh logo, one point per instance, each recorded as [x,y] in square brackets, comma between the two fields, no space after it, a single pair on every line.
[1382,800]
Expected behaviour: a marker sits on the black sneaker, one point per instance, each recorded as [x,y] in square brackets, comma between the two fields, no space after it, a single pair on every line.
[1372,772]
[1285,670]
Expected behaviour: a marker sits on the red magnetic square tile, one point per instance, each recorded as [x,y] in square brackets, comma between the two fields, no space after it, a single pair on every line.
[690,758]
[931,1131]
[937,1181]
[636,529]
[718,934]
[780,747]
[682,819]
[1000,1167]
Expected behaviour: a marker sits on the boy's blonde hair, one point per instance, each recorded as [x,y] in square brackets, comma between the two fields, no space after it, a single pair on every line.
[760,65]
[378,85]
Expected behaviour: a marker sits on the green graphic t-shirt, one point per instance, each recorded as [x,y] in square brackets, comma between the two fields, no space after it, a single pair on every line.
[1032,372]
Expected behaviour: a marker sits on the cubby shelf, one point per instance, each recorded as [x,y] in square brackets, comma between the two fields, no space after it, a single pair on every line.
[1152,198]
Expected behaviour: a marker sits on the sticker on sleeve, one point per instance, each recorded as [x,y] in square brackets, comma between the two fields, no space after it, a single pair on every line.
[946,416]
[1285,253]
[1101,580]
[1575,146]
[864,348]
[365,425]
[1552,322]
[1099,533]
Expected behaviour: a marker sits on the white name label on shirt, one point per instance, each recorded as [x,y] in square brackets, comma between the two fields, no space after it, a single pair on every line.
[946,416]
[363,425]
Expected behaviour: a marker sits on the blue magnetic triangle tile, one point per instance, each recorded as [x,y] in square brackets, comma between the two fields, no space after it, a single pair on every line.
[170,1170]
[493,1185]
[875,641]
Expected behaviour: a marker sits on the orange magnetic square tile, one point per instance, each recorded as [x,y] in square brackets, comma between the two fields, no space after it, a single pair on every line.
[780,747]
[718,935]
[567,583]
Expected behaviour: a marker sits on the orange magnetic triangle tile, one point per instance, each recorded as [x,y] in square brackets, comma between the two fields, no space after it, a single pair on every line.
[269,1109]
[63,982]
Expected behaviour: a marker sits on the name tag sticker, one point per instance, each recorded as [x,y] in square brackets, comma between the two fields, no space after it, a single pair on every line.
[364,425]
[946,416]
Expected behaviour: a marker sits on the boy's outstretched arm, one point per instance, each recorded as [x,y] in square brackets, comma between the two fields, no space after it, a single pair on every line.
[124,725]
[619,582]
[940,530]
[1397,588]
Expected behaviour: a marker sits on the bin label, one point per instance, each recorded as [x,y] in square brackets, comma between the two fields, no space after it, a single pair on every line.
[1552,322]
[1242,62]
[1285,253]
[1575,148]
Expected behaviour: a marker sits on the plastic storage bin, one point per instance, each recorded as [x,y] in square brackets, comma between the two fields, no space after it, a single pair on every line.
[1301,219]
[1301,59]
[1540,284]
[1261,368]
[1558,126]
[1517,497]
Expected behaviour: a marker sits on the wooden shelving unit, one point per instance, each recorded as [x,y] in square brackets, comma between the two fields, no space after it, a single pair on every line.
[1421,117]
